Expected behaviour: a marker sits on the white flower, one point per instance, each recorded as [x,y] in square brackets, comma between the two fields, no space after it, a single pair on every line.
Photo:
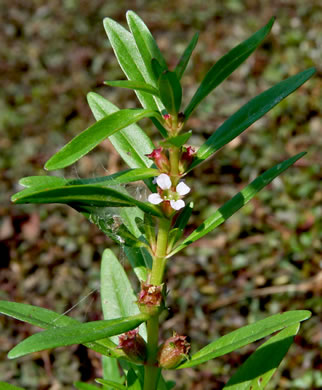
[177,204]
[164,182]
[155,199]
[182,189]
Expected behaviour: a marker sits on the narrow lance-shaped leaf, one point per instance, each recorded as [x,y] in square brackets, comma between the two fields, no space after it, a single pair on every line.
[238,201]
[249,113]
[44,318]
[77,334]
[130,59]
[136,85]
[184,60]
[131,143]
[145,42]
[246,335]
[258,369]
[83,196]
[46,182]
[91,137]
[117,296]
[226,65]
[170,91]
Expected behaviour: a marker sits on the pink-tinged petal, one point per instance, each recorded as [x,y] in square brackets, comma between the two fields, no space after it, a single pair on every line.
[164,181]
[182,189]
[177,204]
[155,199]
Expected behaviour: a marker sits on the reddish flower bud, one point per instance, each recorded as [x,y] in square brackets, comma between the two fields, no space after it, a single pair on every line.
[166,117]
[151,298]
[186,158]
[160,159]
[133,345]
[173,352]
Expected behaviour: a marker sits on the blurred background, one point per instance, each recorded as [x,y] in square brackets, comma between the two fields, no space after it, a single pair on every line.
[266,259]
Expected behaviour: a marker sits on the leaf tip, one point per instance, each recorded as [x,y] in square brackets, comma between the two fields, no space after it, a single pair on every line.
[12,354]
[48,165]
[271,22]
[130,13]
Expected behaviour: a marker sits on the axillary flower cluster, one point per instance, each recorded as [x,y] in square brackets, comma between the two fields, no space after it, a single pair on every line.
[170,189]
[167,193]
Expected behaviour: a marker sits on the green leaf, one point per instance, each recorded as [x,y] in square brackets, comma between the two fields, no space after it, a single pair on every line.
[117,296]
[249,113]
[111,369]
[85,386]
[157,68]
[183,62]
[258,369]
[140,261]
[133,382]
[131,143]
[170,91]
[46,182]
[226,65]
[42,181]
[92,136]
[246,335]
[123,177]
[7,386]
[129,216]
[237,202]
[136,85]
[44,318]
[110,383]
[83,197]
[145,42]
[178,140]
[125,233]
[77,334]
[130,60]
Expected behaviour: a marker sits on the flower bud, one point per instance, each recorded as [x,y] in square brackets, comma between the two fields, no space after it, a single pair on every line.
[151,298]
[173,352]
[133,345]
[160,159]
[187,156]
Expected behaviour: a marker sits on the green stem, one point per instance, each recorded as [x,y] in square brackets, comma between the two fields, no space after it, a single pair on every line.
[174,154]
[160,253]
[151,370]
